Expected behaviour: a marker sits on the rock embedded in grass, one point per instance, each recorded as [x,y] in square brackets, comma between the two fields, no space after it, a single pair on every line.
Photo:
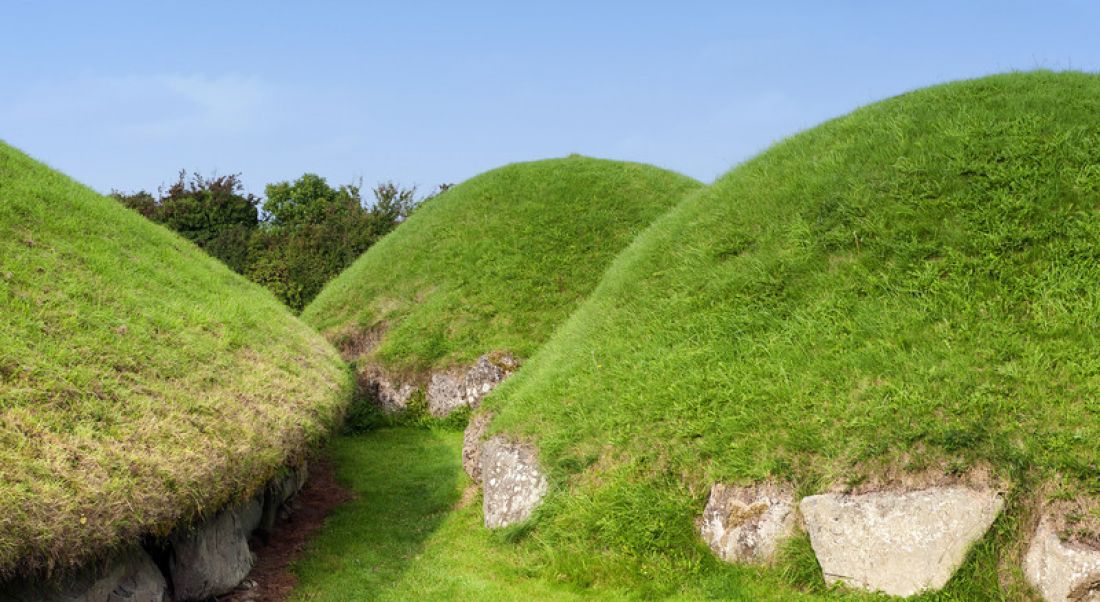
[211,559]
[899,543]
[513,484]
[454,389]
[747,524]
[472,444]
[128,577]
[1059,570]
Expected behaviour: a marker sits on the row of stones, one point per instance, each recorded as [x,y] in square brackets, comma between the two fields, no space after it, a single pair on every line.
[899,543]
[448,390]
[207,560]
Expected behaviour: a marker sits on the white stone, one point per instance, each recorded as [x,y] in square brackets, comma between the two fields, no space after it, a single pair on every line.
[747,524]
[513,482]
[454,389]
[1062,572]
[897,543]
[472,444]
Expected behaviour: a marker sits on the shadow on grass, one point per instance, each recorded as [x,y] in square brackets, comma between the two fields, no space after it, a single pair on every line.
[406,483]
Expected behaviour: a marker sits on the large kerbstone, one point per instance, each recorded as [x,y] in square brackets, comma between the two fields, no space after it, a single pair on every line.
[472,444]
[513,485]
[212,559]
[391,395]
[1061,571]
[897,543]
[445,394]
[128,577]
[451,390]
[747,524]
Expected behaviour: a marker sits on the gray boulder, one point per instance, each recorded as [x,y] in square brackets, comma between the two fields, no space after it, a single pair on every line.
[1061,571]
[445,393]
[747,524]
[513,484]
[128,577]
[390,394]
[897,543]
[472,445]
[454,389]
[211,559]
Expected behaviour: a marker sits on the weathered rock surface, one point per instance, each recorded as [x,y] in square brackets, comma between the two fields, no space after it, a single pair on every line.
[445,393]
[211,559]
[1061,571]
[472,444]
[897,543]
[747,524]
[393,396]
[129,577]
[451,390]
[513,484]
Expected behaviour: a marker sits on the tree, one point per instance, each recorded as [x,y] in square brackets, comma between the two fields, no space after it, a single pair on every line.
[214,213]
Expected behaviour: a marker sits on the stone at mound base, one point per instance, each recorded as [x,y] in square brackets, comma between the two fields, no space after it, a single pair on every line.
[1062,572]
[454,389]
[391,395]
[128,577]
[513,484]
[747,524]
[472,445]
[897,543]
[212,559]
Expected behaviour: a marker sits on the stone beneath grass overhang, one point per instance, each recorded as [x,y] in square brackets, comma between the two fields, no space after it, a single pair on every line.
[451,390]
[1061,571]
[128,577]
[899,543]
[747,524]
[211,559]
[390,394]
[472,444]
[513,484]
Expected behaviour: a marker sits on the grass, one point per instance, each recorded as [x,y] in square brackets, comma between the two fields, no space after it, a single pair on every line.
[141,382]
[494,264]
[414,533]
[907,289]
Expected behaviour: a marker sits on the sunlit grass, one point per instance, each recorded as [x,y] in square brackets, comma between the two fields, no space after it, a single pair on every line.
[141,382]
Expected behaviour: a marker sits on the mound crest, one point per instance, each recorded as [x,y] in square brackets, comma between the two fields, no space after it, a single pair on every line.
[480,276]
[907,289]
[141,382]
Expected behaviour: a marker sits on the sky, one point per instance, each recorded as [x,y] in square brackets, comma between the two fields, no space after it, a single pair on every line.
[122,95]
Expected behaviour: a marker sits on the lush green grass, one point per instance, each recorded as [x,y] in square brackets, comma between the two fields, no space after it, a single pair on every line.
[496,263]
[414,533]
[911,287]
[141,382]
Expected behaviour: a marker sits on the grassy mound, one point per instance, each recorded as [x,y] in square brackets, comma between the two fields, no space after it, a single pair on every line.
[908,289]
[141,382]
[494,264]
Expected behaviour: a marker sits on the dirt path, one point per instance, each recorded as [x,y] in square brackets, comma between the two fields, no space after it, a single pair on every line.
[271,579]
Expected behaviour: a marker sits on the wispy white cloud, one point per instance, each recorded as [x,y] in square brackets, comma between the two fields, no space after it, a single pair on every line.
[145,108]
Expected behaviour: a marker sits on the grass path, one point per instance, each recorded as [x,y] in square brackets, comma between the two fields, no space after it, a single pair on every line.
[403,538]
[408,535]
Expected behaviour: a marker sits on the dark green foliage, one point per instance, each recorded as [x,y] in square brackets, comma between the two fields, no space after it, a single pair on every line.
[214,213]
[308,232]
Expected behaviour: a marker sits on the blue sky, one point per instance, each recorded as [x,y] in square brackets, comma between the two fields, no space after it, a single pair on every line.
[124,94]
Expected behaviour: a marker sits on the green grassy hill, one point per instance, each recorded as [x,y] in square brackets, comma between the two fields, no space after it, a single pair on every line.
[494,264]
[141,382]
[912,287]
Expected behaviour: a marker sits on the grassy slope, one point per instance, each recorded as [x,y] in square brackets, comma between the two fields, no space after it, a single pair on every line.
[908,286]
[497,262]
[140,381]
